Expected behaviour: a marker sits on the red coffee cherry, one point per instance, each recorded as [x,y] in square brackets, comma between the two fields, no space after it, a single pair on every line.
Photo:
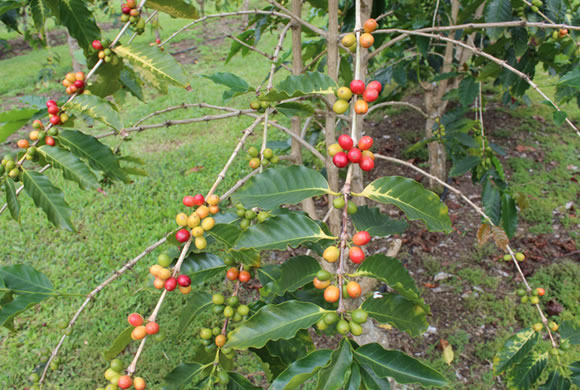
[361,238]
[182,235]
[152,328]
[183,280]
[198,200]
[367,163]
[170,284]
[354,155]
[345,141]
[357,87]
[340,159]
[135,319]
[356,255]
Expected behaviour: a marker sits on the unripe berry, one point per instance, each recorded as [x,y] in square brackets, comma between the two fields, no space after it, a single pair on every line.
[139,383]
[139,333]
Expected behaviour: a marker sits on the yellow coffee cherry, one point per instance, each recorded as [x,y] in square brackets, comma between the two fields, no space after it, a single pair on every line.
[181,219]
[193,221]
[208,223]
[197,231]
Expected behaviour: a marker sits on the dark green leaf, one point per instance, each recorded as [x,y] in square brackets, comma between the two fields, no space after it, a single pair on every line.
[227,234]
[371,381]
[514,350]
[47,197]
[175,8]
[70,165]
[559,117]
[301,370]
[237,86]
[491,201]
[202,266]
[296,272]
[464,165]
[196,303]
[274,322]
[509,214]
[119,344]
[12,199]
[291,109]
[334,376]
[468,90]
[556,382]
[238,382]
[497,11]
[520,40]
[79,21]
[354,381]
[395,364]
[40,12]
[556,10]
[525,374]
[571,79]
[300,85]
[132,82]
[570,331]
[575,368]
[376,223]
[398,311]
[182,375]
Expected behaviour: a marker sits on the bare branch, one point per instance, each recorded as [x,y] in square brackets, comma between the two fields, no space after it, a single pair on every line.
[271,58]
[309,26]
[239,183]
[394,103]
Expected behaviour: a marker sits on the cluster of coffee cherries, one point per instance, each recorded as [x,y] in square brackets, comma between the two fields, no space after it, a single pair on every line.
[344,325]
[534,298]
[254,156]
[259,106]
[163,278]
[331,293]
[74,82]
[519,257]
[34,378]
[344,152]
[369,93]
[230,309]
[234,274]
[104,52]
[132,14]
[366,39]
[56,117]
[248,215]
[141,331]
[119,381]
[199,221]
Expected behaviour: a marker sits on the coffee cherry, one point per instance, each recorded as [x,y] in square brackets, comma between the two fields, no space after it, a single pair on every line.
[359,316]
[521,292]
[370,95]
[262,216]
[534,300]
[353,289]
[170,284]
[53,110]
[243,310]
[63,118]
[220,340]
[268,153]
[70,77]
[117,365]
[320,284]
[23,144]
[361,107]
[213,200]
[361,238]
[51,103]
[357,87]
[14,173]
[366,164]
[365,143]
[330,317]
[37,124]
[340,160]
[164,260]
[232,274]
[334,149]
[184,280]
[354,155]
[356,255]
[152,328]
[184,290]
[158,283]
[345,142]
[540,291]
[255,163]
[331,294]
[370,25]
[321,325]
[218,309]
[355,329]
[244,276]
[520,257]
[331,254]
[139,383]
[228,311]
[164,274]
[340,106]
[375,85]
[538,327]
[48,139]
[97,45]
[553,326]
[53,131]
[125,382]
[188,201]
[351,208]
[110,373]
[344,93]
[524,299]
[565,345]
[348,40]
[182,235]
[200,243]
[135,319]
[342,327]
[244,224]
[139,333]
[366,40]
[218,299]
[206,334]
[198,200]
[323,275]
[197,231]
[338,202]
[208,223]
[181,219]
[563,32]
[214,209]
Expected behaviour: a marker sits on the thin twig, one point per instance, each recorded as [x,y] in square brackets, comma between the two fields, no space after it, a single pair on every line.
[309,26]
[146,21]
[253,48]
[239,183]
[394,103]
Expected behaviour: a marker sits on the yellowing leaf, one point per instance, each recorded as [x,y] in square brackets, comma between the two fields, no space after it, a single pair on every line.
[448,354]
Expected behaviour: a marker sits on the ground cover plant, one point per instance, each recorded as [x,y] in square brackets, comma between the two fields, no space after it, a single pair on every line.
[300,169]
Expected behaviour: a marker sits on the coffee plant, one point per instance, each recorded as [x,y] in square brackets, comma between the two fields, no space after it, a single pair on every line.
[361,58]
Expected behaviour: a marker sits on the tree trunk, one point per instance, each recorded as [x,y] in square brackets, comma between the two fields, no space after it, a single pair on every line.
[330,125]
[296,151]
[245,18]
[72,47]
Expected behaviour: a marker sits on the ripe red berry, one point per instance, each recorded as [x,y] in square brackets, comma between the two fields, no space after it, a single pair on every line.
[182,235]
[232,274]
[345,142]
[152,328]
[541,292]
[51,103]
[198,200]
[366,163]
[244,276]
[170,284]
[97,45]
[356,255]
[354,155]
[183,280]
[370,95]
[158,41]
[125,382]
[357,87]
[340,159]
[361,238]
[375,85]
[49,140]
[365,143]
[80,84]
[53,110]
[135,319]
[126,10]
[188,201]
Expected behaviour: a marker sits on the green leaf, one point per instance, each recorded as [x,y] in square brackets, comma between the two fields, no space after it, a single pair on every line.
[570,331]
[520,40]
[19,304]
[571,79]
[394,274]
[238,382]
[509,214]
[399,312]
[12,199]
[559,117]
[412,198]
[156,67]
[175,8]
[468,90]
[79,21]
[119,344]
[282,231]
[11,121]
[491,201]
[556,382]
[276,186]
[227,234]
[376,223]
[99,156]
[291,109]
[355,379]
[575,368]
[310,83]
[296,272]
[202,266]
[132,82]
[371,381]
[301,370]
[497,11]
[182,375]
[70,165]
[514,350]
[195,304]
[48,197]
[40,12]
[334,376]
[464,165]
[395,364]
[274,322]
[98,109]
[230,80]
[526,373]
